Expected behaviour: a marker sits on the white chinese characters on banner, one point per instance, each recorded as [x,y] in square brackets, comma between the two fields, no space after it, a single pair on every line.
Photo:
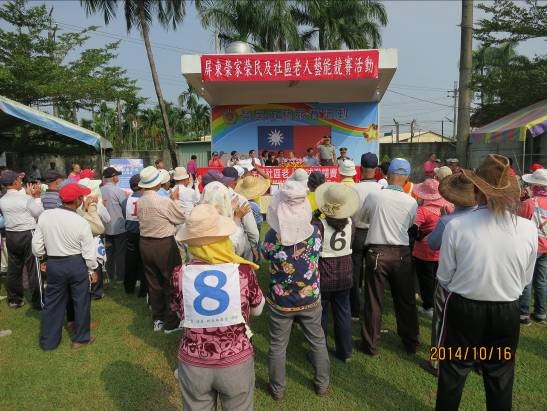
[211,296]
[332,65]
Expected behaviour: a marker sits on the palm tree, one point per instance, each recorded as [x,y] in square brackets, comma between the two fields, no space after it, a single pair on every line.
[140,14]
[354,24]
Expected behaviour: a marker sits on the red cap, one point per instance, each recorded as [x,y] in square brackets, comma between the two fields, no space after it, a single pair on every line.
[72,191]
[535,166]
[87,173]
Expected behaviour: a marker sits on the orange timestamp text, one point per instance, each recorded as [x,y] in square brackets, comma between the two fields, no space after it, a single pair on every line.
[470,354]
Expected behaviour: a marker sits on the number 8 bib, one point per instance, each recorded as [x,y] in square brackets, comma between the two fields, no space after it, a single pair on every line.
[211,295]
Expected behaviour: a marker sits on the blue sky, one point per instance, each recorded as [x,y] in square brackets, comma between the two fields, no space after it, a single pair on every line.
[426,34]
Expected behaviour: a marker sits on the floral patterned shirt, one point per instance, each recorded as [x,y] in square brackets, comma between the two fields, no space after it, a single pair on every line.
[294,275]
[217,347]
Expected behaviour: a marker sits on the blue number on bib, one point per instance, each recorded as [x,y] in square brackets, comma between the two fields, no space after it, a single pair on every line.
[214,293]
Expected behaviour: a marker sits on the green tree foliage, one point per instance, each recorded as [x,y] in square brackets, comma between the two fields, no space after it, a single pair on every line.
[35,67]
[511,21]
[504,81]
[354,24]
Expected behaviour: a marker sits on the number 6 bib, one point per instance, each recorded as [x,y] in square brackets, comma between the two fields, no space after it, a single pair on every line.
[211,295]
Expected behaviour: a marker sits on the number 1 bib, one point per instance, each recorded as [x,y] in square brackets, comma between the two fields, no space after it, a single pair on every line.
[211,295]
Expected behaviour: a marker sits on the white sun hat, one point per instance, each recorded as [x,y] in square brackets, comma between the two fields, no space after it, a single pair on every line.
[538,177]
[347,168]
[165,176]
[150,177]
[180,174]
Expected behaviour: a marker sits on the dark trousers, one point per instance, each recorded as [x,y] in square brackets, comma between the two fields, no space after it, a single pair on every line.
[394,264]
[479,325]
[116,246]
[70,304]
[426,271]
[67,278]
[133,266]
[19,244]
[358,259]
[339,300]
[159,257]
[97,289]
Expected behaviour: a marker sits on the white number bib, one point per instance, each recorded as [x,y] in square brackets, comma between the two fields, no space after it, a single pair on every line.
[131,209]
[336,243]
[211,295]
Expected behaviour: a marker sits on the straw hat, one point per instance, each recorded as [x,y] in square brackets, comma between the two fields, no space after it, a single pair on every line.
[442,172]
[180,174]
[538,177]
[428,190]
[458,190]
[347,168]
[150,177]
[204,225]
[165,176]
[252,187]
[493,179]
[337,200]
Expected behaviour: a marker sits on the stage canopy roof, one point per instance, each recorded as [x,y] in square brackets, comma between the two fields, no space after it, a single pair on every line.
[14,114]
[514,126]
[336,83]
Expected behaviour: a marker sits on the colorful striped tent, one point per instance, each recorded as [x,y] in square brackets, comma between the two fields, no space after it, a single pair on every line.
[514,126]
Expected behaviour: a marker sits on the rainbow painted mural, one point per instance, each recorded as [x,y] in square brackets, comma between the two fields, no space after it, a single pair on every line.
[351,125]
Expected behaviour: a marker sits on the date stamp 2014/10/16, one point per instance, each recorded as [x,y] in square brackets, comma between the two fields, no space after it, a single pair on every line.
[470,353]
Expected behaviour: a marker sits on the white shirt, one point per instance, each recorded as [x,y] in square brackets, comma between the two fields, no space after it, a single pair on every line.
[14,206]
[62,233]
[188,197]
[390,213]
[364,188]
[248,221]
[487,258]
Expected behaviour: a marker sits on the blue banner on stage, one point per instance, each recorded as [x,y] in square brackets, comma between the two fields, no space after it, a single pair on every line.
[128,167]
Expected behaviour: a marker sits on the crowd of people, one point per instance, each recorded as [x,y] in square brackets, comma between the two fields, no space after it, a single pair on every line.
[466,249]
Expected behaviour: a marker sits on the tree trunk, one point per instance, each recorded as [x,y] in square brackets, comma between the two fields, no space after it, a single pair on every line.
[464,97]
[146,38]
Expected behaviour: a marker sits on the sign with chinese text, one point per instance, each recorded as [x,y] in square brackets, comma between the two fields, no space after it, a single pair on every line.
[128,167]
[321,65]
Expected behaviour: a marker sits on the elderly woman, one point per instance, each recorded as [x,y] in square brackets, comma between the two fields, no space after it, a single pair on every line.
[292,246]
[217,195]
[215,361]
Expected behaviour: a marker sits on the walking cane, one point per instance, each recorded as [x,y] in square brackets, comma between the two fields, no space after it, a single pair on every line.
[39,280]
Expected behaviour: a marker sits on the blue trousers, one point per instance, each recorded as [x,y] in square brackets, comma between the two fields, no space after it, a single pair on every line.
[67,277]
[340,302]
[539,285]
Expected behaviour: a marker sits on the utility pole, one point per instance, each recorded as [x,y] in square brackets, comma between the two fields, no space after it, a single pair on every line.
[442,130]
[412,125]
[454,94]
[464,95]
[396,129]
[217,42]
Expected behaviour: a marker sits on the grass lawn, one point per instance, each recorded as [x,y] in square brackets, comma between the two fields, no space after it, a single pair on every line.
[130,367]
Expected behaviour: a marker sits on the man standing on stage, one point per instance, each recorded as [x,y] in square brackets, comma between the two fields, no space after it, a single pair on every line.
[20,224]
[487,258]
[327,152]
[66,239]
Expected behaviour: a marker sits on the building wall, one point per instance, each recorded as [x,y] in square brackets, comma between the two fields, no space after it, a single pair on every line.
[202,149]
[417,154]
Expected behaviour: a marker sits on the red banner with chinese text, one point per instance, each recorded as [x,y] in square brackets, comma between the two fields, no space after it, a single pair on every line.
[278,175]
[322,65]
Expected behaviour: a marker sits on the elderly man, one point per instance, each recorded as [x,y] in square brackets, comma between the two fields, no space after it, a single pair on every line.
[17,209]
[454,165]
[158,218]
[390,214]
[487,258]
[66,239]
[115,235]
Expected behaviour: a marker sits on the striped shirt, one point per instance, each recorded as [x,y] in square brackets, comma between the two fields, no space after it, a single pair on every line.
[158,216]
[50,199]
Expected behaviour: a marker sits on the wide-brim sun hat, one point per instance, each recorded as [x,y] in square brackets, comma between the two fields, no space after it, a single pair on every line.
[300,175]
[442,172]
[347,168]
[93,185]
[493,178]
[252,187]
[336,200]
[538,177]
[180,173]
[150,177]
[204,225]
[458,190]
[428,190]
[165,176]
